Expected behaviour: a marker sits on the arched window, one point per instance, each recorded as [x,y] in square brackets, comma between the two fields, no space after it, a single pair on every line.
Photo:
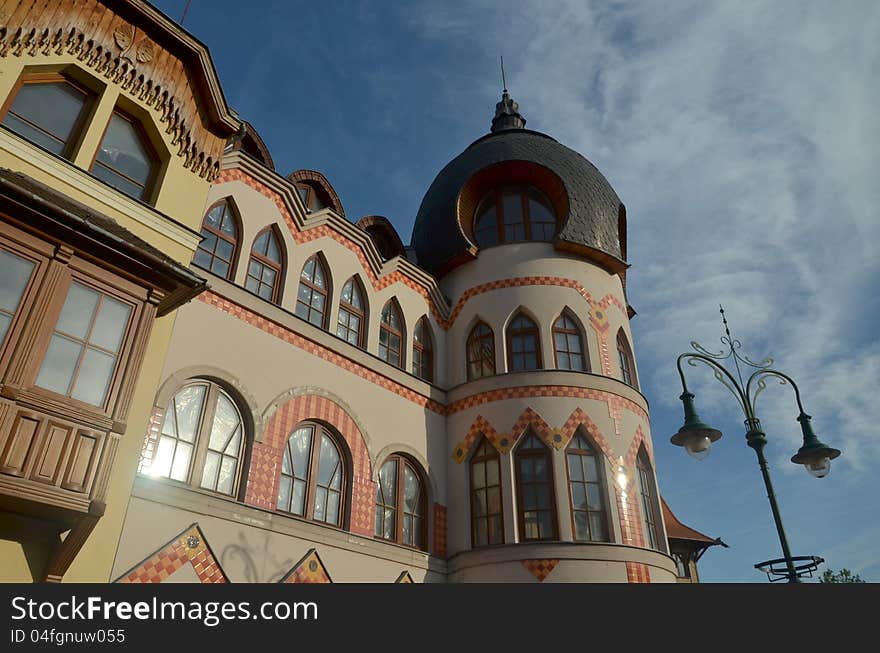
[423,351]
[216,252]
[265,267]
[627,366]
[589,518]
[49,110]
[311,300]
[312,483]
[534,480]
[310,197]
[126,160]
[487,514]
[523,344]
[391,335]
[512,214]
[480,352]
[648,494]
[202,439]
[352,321]
[568,345]
[400,503]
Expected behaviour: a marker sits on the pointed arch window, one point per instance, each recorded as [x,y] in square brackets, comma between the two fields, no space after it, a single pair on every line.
[523,344]
[589,513]
[351,323]
[126,160]
[480,352]
[310,197]
[536,498]
[312,483]
[265,267]
[648,495]
[423,351]
[511,214]
[314,286]
[400,503]
[568,345]
[49,110]
[202,439]
[216,252]
[487,514]
[627,365]
[391,335]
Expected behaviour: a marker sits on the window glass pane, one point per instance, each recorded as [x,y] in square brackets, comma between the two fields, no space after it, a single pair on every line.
[227,226]
[284,493]
[118,182]
[15,272]
[209,473]
[298,502]
[266,292]
[188,406]
[180,467]
[319,276]
[59,364]
[79,307]
[320,503]
[214,217]
[110,324]
[388,481]
[591,468]
[226,480]
[123,150]
[226,421]
[161,465]
[261,242]
[301,445]
[388,525]
[581,531]
[94,377]
[333,508]
[410,490]
[578,496]
[492,472]
[574,467]
[329,460]
[272,251]
[594,497]
[597,527]
[252,284]
[50,107]
[5,321]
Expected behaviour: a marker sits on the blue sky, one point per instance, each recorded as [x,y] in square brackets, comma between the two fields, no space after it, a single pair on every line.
[742,137]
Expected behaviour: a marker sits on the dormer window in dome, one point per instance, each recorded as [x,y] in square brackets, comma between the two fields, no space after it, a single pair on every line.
[311,197]
[512,214]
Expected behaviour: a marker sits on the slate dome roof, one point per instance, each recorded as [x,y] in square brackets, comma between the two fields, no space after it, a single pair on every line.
[594,208]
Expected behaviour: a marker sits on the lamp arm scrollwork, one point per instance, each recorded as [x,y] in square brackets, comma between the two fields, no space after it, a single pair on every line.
[720,373]
[759,376]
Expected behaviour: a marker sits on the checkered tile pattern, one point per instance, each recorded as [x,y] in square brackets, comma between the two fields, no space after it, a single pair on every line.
[309,569]
[480,426]
[151,440]
[579,418]
[188,547]
[530,417]
[629,515]
[603,353]
[540,569]
[638,440]
[262,488]
[637,572]
[404,578]
[544,391]
[439,530]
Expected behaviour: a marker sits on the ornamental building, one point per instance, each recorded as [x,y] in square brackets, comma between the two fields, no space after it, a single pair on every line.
[210,373]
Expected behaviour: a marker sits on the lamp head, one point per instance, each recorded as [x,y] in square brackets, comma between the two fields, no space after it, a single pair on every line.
[695,436]
[815,455]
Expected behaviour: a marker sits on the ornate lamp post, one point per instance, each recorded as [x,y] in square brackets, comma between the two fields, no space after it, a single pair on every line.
[697,437]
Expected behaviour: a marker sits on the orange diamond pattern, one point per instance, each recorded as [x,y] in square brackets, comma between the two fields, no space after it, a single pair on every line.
[404,578]
[188,547]
[540,569]
[309,569]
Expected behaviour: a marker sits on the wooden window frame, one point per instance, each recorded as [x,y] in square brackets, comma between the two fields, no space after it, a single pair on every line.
[520,511]
[585,356]
[474,339]
[534,331]
[218,233]
[626,360]
[425,351]
[476,458]
[77,132]
[601,482]
[648,502]
[149,192]
[203,435]
[399,502]
[278,266]
[326,292]
[353,310]
[401,334]
[312,475]
[495,198]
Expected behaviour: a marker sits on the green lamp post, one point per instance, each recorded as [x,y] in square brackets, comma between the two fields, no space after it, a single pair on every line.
[697,437]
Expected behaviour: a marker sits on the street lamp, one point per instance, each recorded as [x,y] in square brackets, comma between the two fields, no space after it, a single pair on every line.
[697,437]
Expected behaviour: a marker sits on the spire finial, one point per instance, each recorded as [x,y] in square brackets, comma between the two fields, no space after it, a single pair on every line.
[507,115]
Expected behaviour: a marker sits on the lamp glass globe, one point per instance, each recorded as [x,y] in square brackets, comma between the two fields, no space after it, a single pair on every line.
[698,447]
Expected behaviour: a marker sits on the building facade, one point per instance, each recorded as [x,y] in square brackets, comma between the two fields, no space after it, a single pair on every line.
[335,406]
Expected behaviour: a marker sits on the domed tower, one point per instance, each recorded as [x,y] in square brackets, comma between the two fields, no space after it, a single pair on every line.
[551,468]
